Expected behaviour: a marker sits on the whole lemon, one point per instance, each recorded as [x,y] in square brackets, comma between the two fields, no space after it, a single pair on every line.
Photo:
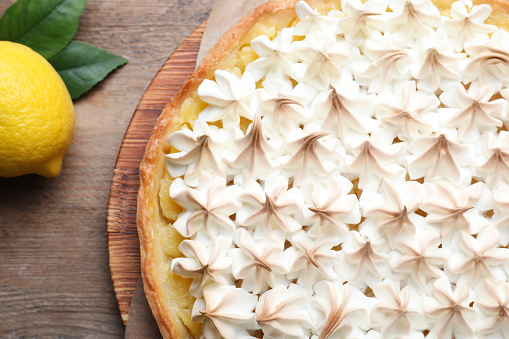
[36,114]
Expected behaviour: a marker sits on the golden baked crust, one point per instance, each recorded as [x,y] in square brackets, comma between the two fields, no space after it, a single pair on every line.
[225,55]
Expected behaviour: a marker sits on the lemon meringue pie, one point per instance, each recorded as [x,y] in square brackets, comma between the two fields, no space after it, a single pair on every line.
[333,170]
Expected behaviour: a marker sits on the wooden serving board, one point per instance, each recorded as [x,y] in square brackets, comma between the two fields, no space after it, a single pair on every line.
[123,243]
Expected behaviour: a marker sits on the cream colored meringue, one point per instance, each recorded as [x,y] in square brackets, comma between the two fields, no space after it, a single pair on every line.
[387,64]
[479,257]
[283,105]
[205,264]
[309,155]
[452,209]
[344,307]
[328,205]
[362,20]
[345,110]
[283,312]
[226,312]
[413,18]
[494,303]
[468,27]
[489,62]
[323,60]
[493,167]
[471,113]
[365,255]
[407,112]
[392,212]
[439,68]
[207,207]
[254,157]
[273,56]
[421,258]
[228,97]
[438,157]
[311,21]
[271,206]
[374,159]
[315,258]
[199,150]
[450,309]
[260,264]
[398,312]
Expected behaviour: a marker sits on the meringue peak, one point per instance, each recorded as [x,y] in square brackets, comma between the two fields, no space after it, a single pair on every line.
[340,309]
[439,160]
[307,158]
[497,166]
[340,118]
[364,255]
[254,155]
[372,163]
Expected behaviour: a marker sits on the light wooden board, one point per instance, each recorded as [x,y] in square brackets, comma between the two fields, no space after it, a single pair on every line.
[123,243]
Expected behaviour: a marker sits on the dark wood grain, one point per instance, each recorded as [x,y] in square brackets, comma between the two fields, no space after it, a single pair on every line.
[123,241]
[55,279]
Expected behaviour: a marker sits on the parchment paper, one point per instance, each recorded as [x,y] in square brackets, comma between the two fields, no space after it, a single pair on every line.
[225,13]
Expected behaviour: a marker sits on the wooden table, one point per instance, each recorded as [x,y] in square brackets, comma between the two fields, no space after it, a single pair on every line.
[54,273]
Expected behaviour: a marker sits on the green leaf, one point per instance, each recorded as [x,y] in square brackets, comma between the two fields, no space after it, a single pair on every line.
[81,66]
[46,26]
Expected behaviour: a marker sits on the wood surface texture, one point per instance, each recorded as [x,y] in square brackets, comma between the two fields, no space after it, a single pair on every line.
[123,243]
[55,279]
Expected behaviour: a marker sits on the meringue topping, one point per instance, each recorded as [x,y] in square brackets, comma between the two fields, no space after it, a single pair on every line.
[364,254]
[496,166]
[254,155]
[203,267]
[394,217]
[314,257]
[362,20]
[197,152]
[398,312]
[495,305]
[421,258]
[454,210]
[437,63]
[480,258]
[207,211]
[373,160]
[270,206]
[227,97]
[225,306]
[368,195]
[490,61]
[282,312]
[415,18]
[449,309]
[472,111]
[340,119]
[342,308]
[259,264]
[409,114]
[439,161]
[468,26]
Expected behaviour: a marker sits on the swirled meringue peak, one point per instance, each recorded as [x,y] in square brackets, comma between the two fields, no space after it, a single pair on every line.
[353,180]
[467,24]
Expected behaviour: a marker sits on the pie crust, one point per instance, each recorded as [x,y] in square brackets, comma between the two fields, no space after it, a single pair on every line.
[277,13]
